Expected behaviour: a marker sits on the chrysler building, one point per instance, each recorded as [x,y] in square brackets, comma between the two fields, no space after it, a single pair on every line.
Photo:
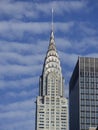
[51,105]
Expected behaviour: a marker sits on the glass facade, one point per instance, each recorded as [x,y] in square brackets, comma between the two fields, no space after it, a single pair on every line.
[87,93]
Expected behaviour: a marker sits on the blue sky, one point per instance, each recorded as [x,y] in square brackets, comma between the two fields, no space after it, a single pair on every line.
[25,27]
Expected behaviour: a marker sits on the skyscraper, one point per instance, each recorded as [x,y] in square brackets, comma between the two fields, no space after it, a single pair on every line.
[93,128]
[51,106]
[83,94]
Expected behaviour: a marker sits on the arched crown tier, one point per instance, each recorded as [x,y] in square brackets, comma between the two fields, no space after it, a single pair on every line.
[52,58]
[51,68]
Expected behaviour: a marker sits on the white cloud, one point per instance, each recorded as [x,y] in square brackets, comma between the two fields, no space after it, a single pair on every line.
[25,105]
[18,59]
[16,9]
[62,43]
[34,27]
[21,9]
[17,69]
[86,44]
[20,115]
[24,93]
[16,30]
[88,29]
[63,27]
[95,55]
[61,6]
[19,84]
[25,125]
[21,49]
[68,59]
[16,115]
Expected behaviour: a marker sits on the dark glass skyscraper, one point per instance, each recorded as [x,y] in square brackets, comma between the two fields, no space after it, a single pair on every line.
[83,94]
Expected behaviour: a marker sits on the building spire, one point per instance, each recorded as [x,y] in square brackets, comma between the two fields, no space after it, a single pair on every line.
[52,28]
[52,19]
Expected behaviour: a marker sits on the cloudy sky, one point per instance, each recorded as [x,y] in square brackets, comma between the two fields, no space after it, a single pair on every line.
[25,27]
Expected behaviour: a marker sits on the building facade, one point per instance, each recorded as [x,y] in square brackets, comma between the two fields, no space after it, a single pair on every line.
[83,94]
[93,128]
[51,106]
